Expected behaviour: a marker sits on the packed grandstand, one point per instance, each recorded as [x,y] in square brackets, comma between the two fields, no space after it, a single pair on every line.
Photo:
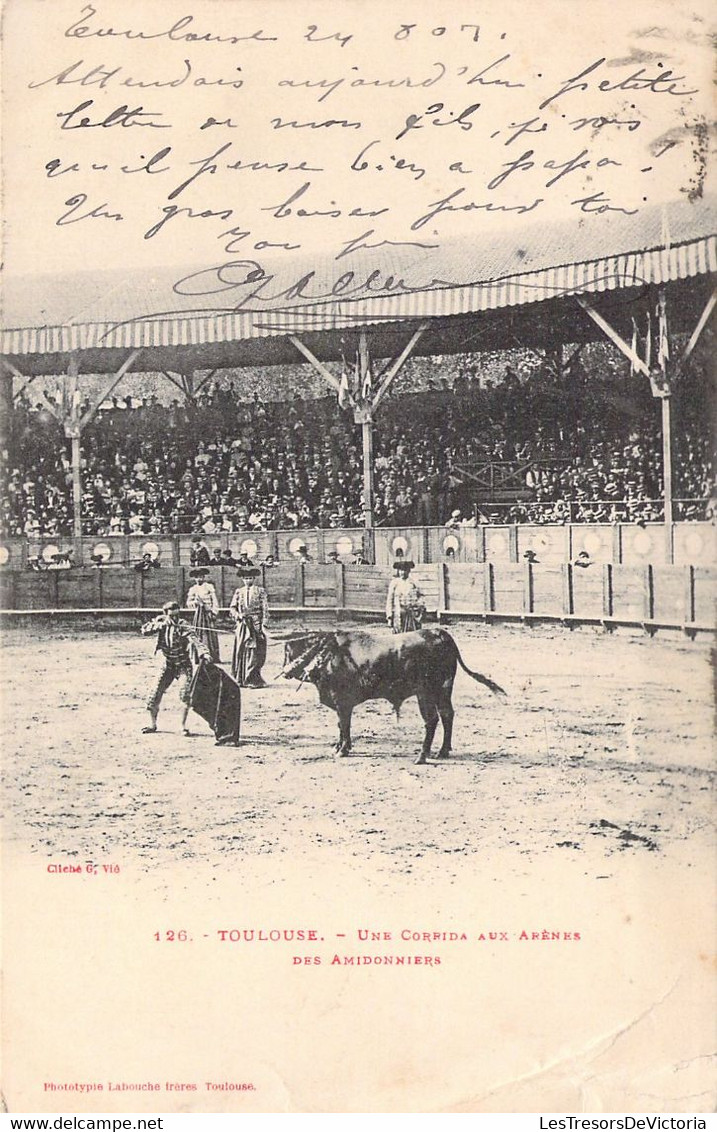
[522,439]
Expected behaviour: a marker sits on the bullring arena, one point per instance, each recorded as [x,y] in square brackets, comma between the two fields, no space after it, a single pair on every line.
[576,809]
[555,515]
[600,753]
[571,830]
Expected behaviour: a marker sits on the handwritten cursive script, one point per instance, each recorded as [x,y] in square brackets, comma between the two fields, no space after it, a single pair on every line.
[343,137]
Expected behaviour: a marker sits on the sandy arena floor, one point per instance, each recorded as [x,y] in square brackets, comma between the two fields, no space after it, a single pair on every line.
[581,803]
[601,749]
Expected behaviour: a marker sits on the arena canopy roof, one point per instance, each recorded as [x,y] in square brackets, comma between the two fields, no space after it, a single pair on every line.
[242,312]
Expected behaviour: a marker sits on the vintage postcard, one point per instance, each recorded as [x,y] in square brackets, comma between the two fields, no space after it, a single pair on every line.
[294,295]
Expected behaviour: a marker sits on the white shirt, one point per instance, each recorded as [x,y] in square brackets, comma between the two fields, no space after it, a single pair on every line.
[203,593]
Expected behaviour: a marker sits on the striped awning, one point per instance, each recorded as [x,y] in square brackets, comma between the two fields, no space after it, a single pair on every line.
[96,311]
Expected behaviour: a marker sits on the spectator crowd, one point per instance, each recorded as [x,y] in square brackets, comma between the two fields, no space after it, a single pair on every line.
[559,446]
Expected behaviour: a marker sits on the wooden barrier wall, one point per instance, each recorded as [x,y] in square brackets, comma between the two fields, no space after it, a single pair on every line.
[654,596]
[693,544]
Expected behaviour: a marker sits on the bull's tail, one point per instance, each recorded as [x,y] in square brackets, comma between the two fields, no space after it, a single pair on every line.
[495,688]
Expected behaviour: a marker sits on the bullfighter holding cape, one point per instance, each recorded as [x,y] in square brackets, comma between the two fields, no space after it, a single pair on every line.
[404,602]
[202,598]
[250,609]
[204,686]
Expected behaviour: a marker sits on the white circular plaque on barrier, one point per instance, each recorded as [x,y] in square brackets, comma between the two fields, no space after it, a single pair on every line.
[541,542]
[451,542]
[344,545]
[399,543]
[150,548]
[642,542]
[695,543]
[4,556]
[101,550]
[49,551]
[592,542]
[249,548]
[295,545]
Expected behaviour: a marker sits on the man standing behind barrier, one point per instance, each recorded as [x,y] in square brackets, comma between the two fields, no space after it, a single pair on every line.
[199,552]
[404,603]
[202,598]
[250,609]
[180,646]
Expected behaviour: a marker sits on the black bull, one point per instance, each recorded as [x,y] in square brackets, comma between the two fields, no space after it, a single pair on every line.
[349,667]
